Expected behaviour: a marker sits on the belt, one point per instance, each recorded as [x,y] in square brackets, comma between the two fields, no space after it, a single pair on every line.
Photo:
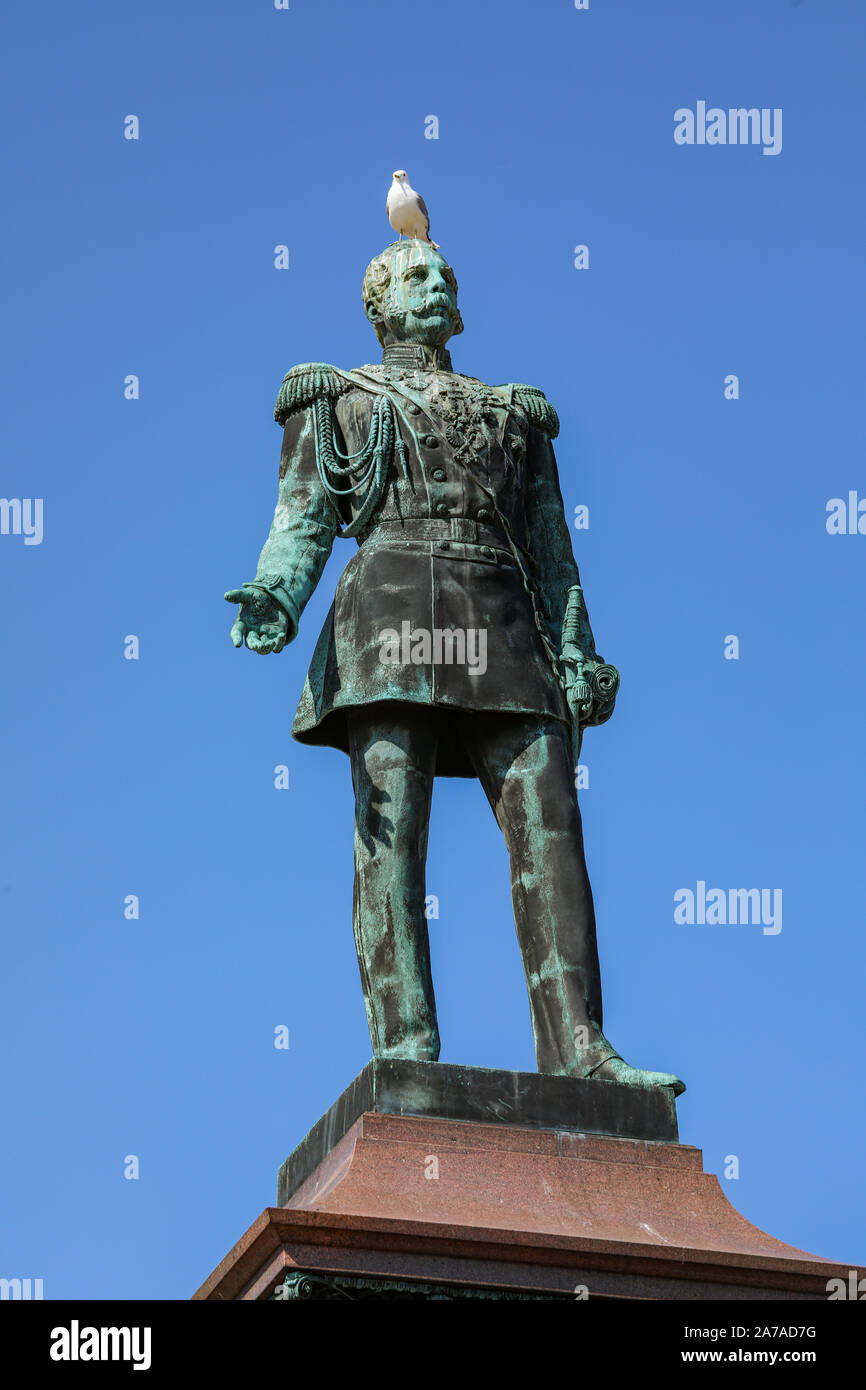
[453,528]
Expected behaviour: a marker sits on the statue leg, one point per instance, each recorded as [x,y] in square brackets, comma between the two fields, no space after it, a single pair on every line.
[393,754]
[526,767]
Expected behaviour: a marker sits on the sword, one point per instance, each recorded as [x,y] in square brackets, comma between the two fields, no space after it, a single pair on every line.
[587,691]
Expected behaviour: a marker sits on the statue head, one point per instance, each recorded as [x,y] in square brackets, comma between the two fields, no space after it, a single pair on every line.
[410,295]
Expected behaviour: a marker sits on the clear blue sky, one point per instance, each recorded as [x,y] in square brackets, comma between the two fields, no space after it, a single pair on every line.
[707,518]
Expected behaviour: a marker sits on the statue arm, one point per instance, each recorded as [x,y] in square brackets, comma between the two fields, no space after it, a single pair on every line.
[549,535]
[590,684]
[300,540]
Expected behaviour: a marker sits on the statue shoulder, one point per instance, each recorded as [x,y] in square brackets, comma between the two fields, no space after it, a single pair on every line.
[533,405]
[306,384]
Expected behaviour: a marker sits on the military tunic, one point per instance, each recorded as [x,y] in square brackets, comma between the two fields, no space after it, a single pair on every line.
[467,532]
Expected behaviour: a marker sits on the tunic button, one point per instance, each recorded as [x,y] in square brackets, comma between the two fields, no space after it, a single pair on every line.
[430,441]
[444,545]
[439,475]
[442,509]
[414,409]
[488,550]
[483,514]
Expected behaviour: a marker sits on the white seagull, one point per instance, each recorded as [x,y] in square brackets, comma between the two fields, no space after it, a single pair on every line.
[406,209]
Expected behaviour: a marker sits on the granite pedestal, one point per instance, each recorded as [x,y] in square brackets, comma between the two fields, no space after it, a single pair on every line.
[425,1180]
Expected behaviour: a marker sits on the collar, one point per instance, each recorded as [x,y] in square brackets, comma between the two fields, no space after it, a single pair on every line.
[409,355]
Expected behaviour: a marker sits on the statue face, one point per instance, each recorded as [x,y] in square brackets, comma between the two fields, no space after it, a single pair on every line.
[421,300]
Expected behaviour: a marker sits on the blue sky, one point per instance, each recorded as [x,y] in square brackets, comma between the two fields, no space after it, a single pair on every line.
[155,777]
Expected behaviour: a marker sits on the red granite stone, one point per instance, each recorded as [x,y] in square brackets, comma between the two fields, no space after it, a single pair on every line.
[517,1209]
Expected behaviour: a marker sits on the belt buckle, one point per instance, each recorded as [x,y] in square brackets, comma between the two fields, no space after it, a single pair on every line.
[463,528]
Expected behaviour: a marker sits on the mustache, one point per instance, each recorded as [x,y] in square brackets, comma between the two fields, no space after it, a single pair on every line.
[433,305]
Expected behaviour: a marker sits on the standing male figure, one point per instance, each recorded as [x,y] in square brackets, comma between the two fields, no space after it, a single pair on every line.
[450,488]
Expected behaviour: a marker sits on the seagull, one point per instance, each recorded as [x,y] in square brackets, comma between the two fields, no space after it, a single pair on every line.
[406,209]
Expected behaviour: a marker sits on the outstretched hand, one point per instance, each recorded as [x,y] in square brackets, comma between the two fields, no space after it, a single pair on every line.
[261,623]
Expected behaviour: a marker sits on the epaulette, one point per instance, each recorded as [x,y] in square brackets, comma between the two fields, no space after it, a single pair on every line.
[535,406]
[306,383]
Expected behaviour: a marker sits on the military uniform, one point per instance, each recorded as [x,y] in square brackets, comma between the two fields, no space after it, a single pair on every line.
[450,488]
[468,532]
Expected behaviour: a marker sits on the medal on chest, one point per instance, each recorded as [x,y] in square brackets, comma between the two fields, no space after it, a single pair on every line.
[468,416]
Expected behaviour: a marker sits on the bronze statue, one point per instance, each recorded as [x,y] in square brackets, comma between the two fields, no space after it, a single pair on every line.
[458,643]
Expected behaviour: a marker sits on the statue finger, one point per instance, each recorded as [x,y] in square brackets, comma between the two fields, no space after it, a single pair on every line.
[238,631]
[237,596]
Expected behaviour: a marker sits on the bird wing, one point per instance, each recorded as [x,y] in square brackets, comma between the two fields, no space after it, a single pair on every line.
[423,206]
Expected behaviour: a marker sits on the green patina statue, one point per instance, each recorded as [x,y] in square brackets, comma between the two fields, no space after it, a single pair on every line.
[458,643]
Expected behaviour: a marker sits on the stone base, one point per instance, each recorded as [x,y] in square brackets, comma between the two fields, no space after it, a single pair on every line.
[435,1090]
[398,1201]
